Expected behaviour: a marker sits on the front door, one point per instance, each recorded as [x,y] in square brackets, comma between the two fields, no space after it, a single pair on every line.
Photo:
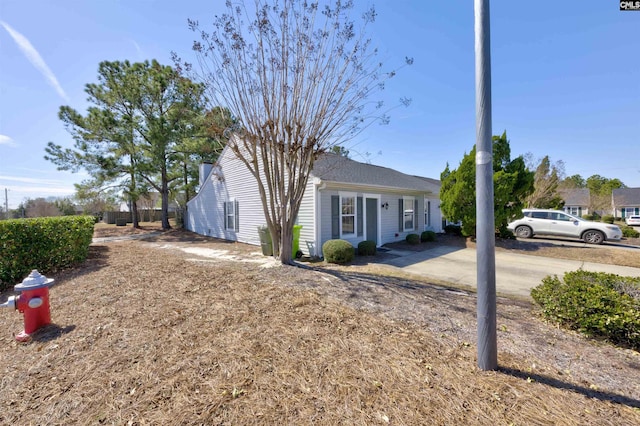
[372,220]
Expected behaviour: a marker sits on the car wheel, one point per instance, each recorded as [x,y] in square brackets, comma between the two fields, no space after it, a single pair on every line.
[593,237]
[524,232]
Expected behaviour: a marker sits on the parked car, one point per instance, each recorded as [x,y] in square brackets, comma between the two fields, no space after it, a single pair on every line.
[559,223]
[633,220]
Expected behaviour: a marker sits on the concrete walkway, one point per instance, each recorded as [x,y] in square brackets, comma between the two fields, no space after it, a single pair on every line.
[515,273]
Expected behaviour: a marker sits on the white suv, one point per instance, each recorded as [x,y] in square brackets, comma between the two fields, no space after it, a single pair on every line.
[559,223]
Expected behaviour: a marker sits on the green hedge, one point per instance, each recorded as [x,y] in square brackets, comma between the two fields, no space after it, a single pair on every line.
[367,248]
[453,230]
[427,236]
[630,232]
[413,239]
[338,251]
[595,303]
[46,244]
[608,219]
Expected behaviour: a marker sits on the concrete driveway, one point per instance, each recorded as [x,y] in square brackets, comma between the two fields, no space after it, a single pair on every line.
[515,273]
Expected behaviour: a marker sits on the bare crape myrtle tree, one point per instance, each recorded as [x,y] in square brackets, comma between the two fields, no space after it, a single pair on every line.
[297,76]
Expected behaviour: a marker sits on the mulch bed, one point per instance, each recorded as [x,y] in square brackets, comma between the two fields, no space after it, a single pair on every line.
[184,329]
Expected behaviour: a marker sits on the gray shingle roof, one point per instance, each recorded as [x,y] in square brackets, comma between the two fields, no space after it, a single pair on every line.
[626,197]
[335,168]
[575,197]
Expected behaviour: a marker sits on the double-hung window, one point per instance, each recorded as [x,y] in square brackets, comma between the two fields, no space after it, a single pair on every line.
[347,214]
[574,210]
[427,213]
[408,213]
[231,215]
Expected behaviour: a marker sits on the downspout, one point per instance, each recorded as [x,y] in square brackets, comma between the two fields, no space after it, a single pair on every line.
[319,185]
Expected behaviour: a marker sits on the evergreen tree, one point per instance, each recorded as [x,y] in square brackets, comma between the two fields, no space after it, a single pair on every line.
[138,132]
[512,184]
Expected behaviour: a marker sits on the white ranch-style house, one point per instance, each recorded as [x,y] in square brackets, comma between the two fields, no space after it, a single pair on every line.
[625,202]
[343,199]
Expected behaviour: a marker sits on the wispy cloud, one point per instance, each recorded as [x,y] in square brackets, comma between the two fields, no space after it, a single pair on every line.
[21,188]
[26,191]
[138,49]
[6,140]
[39,181]
[34,57]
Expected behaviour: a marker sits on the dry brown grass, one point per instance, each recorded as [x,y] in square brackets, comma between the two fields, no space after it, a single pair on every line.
[145,333]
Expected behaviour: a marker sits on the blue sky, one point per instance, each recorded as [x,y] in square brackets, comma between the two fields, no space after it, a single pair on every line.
[565,80]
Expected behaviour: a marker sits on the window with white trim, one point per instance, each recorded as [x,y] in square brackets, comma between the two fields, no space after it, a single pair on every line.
[230,215]
[629,211]
[573,210]
[427,213]
[347,214]
[408,218]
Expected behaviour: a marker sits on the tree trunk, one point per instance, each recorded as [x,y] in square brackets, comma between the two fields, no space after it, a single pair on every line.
[286,245]
[134,214]
[185,173]
[165,201]
[133,197]
[275,242]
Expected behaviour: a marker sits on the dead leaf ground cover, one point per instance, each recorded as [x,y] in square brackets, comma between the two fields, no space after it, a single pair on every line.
[183,329]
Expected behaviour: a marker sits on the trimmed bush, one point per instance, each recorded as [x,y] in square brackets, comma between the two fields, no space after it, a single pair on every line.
[597,304]
[367,248]
[608,218]
[413,239]
[505,233]
[47,244]
[629,232]
[427,236]
[453,230]
[338,251]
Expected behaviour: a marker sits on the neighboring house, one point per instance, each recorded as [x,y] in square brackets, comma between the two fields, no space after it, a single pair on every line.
[153,201]
[625,202]
[343,199]
[576,201]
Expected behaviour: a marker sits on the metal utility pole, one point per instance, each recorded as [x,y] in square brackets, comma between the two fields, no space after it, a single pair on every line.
[6,203]
[485,223]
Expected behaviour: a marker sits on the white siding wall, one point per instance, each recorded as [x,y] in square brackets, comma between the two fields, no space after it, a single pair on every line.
[306,218]
[230,180]
[204,213]
[390,228]
[325,217]
[241,186]
[389,218]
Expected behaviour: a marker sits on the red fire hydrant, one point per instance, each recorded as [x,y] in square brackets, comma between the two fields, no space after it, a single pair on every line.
[33,302]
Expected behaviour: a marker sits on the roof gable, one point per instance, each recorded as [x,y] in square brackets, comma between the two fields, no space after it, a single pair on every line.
[575,196]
